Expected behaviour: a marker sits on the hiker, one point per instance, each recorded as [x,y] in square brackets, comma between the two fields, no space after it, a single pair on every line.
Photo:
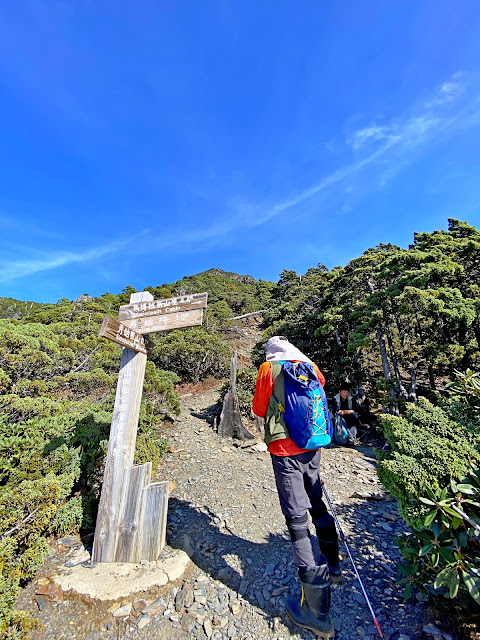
[299,488]
[348,408]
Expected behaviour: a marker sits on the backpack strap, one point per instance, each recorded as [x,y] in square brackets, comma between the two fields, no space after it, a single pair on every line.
[276,371]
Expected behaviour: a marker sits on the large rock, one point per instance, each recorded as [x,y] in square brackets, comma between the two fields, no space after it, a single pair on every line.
[111,581]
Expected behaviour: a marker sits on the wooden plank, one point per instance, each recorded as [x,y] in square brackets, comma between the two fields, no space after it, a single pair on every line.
[121,447]
[135,480]
[163,306]
[167,322]
[153,521]
[247,315]
[126,336]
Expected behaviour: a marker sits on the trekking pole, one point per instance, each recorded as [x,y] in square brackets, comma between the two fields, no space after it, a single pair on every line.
[342,537]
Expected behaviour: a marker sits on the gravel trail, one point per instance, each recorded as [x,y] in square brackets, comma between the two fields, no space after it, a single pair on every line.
[224,513]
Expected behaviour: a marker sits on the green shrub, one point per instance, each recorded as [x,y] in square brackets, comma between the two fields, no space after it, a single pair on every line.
[428,449]
[467,385]
[57,387]
[444,555]
[29,509]
[432,469]
[192,354]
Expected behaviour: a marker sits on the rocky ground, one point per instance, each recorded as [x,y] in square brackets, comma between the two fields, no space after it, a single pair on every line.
[224,513]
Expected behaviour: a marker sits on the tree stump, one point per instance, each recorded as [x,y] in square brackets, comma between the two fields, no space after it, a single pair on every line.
[230,424]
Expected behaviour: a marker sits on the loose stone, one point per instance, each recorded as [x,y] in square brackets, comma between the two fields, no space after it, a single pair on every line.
[80,556]
[41,602]
[143,622]
[220,621]
[187,622]
[235,607]
[140,605]
[207,627]
[123,612]
[260,599]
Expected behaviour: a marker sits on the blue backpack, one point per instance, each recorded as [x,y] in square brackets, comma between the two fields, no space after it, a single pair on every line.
[306,408]
[340,432]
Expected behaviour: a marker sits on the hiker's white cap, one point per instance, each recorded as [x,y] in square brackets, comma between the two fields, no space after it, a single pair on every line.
[279,348]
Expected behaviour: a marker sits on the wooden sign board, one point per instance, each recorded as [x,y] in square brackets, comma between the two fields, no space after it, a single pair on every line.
[124,335]
[162,306]
[166,322]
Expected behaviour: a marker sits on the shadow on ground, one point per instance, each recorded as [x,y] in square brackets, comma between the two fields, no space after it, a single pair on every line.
[242,564]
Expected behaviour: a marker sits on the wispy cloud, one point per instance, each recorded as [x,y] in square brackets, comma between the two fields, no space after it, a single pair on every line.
[10,270]
[375,144]
[326,182]
[371,134]
[386,146]
[411,131]
[450,91]
[377,141]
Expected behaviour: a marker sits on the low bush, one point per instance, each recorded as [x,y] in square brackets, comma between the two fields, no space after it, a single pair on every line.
[56,403]
[192,355]
[432,469]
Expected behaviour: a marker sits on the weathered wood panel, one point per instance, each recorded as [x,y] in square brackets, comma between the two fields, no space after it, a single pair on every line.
[163,306]
[153,521]
[126,336]
[136,479]
[121,446]
[167,322]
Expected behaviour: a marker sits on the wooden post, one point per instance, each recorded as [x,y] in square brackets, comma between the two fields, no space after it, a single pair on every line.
[121,447]
[132,514]
[230,423]
[130,526]
[153,520]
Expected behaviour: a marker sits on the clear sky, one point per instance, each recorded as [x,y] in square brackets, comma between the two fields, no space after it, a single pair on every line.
[144,141]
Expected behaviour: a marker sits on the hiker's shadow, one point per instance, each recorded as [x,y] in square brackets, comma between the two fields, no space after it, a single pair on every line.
[261,572]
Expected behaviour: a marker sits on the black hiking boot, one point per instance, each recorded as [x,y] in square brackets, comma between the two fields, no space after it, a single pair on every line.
[312,611]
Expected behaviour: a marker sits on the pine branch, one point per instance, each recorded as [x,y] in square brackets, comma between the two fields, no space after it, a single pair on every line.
[86,360]
[17,526]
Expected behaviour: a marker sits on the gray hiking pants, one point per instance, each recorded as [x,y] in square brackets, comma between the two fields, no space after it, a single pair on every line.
[300,491]
[352,421]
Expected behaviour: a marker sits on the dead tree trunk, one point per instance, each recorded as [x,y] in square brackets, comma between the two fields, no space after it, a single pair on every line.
[230,424]
[260,425]
[412,390]
[384,357]
[401,387]
[386,370]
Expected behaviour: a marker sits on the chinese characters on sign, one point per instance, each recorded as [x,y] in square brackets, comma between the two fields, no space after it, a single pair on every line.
[162,307]
[120,333]
[167,322]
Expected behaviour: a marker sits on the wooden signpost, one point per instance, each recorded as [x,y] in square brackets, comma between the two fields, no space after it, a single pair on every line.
[167,322]
[132,514]
[165,306]
[127,337]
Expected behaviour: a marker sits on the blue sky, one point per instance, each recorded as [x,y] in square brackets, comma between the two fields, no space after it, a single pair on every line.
[141,142]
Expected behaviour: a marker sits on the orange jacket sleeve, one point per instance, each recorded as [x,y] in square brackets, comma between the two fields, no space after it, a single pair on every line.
[263,390]
[320,375]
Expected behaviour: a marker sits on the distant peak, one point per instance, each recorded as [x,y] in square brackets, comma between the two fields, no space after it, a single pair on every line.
[230,274]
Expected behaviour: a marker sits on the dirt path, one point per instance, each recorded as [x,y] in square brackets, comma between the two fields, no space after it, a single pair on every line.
[224,512]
